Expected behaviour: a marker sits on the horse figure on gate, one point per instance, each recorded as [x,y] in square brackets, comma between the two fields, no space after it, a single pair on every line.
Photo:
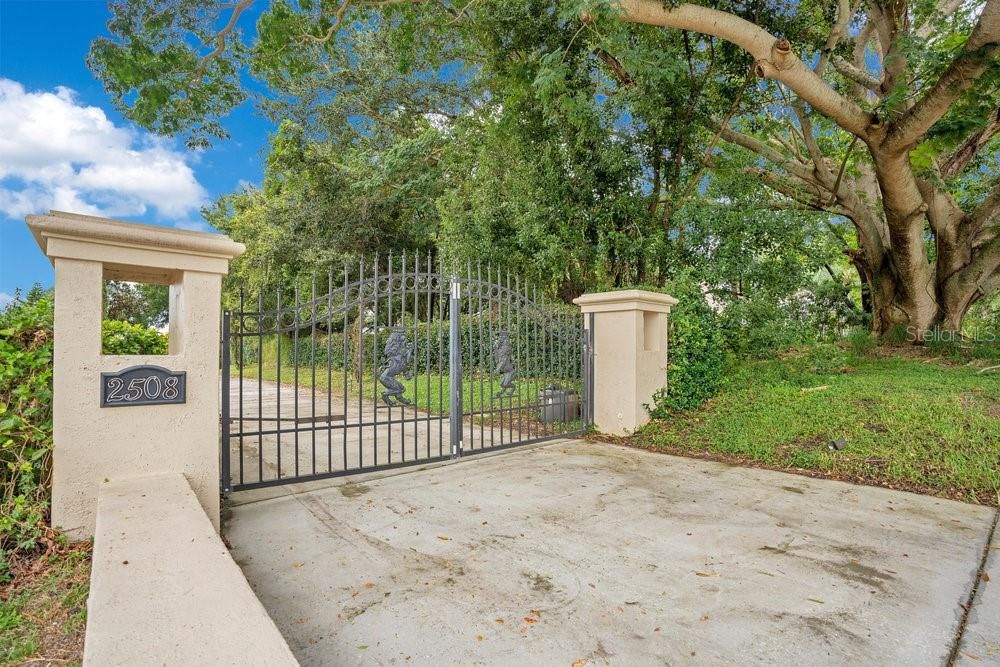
[397,354]
[504,355]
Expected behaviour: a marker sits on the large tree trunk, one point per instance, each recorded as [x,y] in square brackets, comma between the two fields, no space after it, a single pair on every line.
[897,216]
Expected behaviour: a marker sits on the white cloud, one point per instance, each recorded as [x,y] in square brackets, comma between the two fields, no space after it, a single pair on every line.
[57,153]
[5,300]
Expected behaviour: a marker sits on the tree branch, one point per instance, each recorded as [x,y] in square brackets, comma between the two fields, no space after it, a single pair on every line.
[836,33]
[621,74]
[220,40]
[961,157]
[773,57]
[338,18]
[760,148]
[980,230]
[858,76]
[976,56]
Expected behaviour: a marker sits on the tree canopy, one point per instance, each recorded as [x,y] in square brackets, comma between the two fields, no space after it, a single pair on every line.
[594,144]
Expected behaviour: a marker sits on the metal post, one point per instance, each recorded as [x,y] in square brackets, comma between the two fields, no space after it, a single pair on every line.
[455,366]
[225,473]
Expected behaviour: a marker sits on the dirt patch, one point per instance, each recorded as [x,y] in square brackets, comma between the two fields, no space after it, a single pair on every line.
[45,608]
[353,490]
[539,582]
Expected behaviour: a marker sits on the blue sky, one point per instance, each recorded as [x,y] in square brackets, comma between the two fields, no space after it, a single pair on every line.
[62,145]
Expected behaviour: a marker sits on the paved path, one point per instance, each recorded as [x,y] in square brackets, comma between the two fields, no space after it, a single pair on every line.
[352,440]
[581,551]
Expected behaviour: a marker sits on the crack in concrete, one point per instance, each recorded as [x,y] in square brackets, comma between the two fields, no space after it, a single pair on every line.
[967,607]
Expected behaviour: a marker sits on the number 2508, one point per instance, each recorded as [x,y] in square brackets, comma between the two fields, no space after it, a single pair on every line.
[149,388]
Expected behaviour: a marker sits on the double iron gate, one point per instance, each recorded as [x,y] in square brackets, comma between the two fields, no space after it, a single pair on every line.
[396,362]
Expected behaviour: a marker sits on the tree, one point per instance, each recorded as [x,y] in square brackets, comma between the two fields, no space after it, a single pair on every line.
[137,303]
[892,127]
[917,86]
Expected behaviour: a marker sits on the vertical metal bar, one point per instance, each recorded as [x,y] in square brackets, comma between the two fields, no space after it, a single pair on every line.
[295,372]
[278,406]
[361,360]
[240,352]
[472,366]
[482,367]
[345,365]
[388,299]
[492,353]
[312,363]
[375,352]
[561,412]
[564,410]
[518,368]
[455,366]
[226,481]
[329,369]
[416,357]
[260,384]
[402,324]
[535,314]
[427,351]
[441,302]
[510,413]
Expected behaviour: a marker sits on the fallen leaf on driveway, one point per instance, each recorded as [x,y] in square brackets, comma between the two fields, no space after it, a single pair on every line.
[297,564]
[815,600]
[535,612]
[972,656]
[442,537]
[499,620]
[707,574]
[579,663]
[479,638]
[986,577]
[528,619]
[369,585]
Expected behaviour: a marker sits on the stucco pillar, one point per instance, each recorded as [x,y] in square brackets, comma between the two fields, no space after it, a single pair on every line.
[95,445]
[630,354]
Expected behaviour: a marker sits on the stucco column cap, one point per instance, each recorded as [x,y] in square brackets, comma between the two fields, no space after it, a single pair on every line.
[107,232]
[624,300]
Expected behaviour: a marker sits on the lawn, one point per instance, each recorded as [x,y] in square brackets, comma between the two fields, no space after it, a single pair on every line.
[43,612]
[430,392]
[912,423]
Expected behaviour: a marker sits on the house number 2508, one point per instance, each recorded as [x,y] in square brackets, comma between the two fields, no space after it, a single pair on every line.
[142,385]
[150,388]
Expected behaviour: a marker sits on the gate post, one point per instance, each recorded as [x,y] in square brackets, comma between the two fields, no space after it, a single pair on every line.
[629,333]
[100,433]
[455,367]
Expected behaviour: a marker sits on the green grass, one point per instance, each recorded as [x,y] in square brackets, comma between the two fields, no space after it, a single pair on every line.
[429,391]
[43,612]
[909,423]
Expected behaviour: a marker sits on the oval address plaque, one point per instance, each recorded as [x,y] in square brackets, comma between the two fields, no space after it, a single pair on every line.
[143,385]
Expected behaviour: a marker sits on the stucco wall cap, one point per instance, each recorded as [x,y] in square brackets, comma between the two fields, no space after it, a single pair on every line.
[104,231]
[632,299]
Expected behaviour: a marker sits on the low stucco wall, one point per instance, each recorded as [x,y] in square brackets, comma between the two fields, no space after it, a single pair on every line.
[164,588]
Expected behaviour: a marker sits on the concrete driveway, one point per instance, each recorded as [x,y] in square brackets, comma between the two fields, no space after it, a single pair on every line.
[587,552]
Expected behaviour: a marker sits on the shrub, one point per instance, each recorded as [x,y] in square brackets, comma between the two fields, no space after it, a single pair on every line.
[126,338]
[697,355]
[762,325]
[25,422]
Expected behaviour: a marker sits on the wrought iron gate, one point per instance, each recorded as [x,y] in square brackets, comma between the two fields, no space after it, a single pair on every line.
[395,362]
